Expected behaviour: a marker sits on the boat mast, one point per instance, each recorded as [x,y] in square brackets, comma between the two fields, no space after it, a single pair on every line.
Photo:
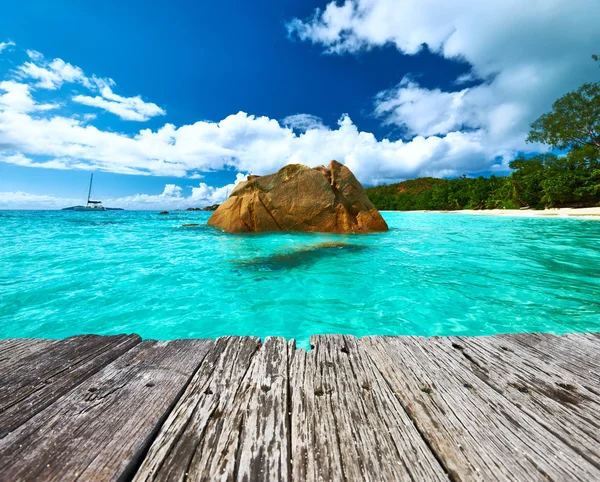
[90,190]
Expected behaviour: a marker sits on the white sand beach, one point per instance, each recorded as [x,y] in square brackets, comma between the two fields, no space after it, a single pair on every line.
[587,213]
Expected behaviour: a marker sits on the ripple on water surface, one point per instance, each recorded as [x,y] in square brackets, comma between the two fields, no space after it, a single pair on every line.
[65,273]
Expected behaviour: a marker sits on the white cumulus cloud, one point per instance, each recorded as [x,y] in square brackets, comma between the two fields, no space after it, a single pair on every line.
[210,195]
[51,75]
[424,111]
[4,45]
[303,122]
[16,97]
[24,200]
[34,55]
[243,142]
[468,130]
[526,54]
[172,197]
[127,108]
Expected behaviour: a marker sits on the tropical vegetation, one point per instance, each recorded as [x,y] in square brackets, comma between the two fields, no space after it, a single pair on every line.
[569,177]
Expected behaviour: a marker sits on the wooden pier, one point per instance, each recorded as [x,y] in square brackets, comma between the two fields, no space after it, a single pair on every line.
[510,407]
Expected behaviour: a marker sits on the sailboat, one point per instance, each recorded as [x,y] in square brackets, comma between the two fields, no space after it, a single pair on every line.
[91,205]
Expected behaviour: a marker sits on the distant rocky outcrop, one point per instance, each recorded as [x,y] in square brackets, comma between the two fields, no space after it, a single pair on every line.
[212,207]
[164,212]
[298,198]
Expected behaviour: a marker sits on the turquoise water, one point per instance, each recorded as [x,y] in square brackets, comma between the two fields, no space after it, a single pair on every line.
[67,273]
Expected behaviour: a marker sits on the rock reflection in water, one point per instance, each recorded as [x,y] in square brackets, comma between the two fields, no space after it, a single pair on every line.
[300,257]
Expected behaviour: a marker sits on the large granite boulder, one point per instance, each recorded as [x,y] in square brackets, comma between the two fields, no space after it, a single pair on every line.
[298,198]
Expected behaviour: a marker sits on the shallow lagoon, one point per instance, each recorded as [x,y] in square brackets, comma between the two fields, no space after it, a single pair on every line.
[67,273]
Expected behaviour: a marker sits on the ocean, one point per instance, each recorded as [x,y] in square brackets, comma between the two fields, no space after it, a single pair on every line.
[65,273]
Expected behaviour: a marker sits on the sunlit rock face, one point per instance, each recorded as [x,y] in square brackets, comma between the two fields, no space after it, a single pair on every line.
[298,198]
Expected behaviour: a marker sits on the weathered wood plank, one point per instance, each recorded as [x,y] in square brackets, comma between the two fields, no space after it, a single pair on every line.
[232,421]
[556,380]
[12,350]
[475,431]
[585,348]
[508,407]
[263,451]
[568,411]
[581,360]
[346,422]
[49,370]
[101,429]
[315,449]
[199,440]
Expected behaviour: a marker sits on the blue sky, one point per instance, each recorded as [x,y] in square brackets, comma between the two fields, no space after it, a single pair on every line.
[170,104]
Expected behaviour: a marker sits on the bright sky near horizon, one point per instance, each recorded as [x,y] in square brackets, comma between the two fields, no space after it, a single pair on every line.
[171,103]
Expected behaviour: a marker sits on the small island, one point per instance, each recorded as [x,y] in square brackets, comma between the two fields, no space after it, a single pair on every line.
[212,207]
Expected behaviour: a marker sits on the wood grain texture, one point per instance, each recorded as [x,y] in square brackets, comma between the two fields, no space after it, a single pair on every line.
[347,423]
[12,350]
[542,390]
[507,407]
[263,451]
[101,429]
[476,432]
[232,423]
[578,354]
[50,369]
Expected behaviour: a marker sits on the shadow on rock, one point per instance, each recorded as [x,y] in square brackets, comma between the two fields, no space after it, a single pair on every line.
[300,257]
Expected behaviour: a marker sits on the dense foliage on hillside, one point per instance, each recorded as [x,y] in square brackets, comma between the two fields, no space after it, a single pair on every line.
[542,181]
[545,180]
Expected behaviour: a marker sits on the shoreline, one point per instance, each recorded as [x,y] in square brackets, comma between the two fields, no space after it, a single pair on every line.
[582,213]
